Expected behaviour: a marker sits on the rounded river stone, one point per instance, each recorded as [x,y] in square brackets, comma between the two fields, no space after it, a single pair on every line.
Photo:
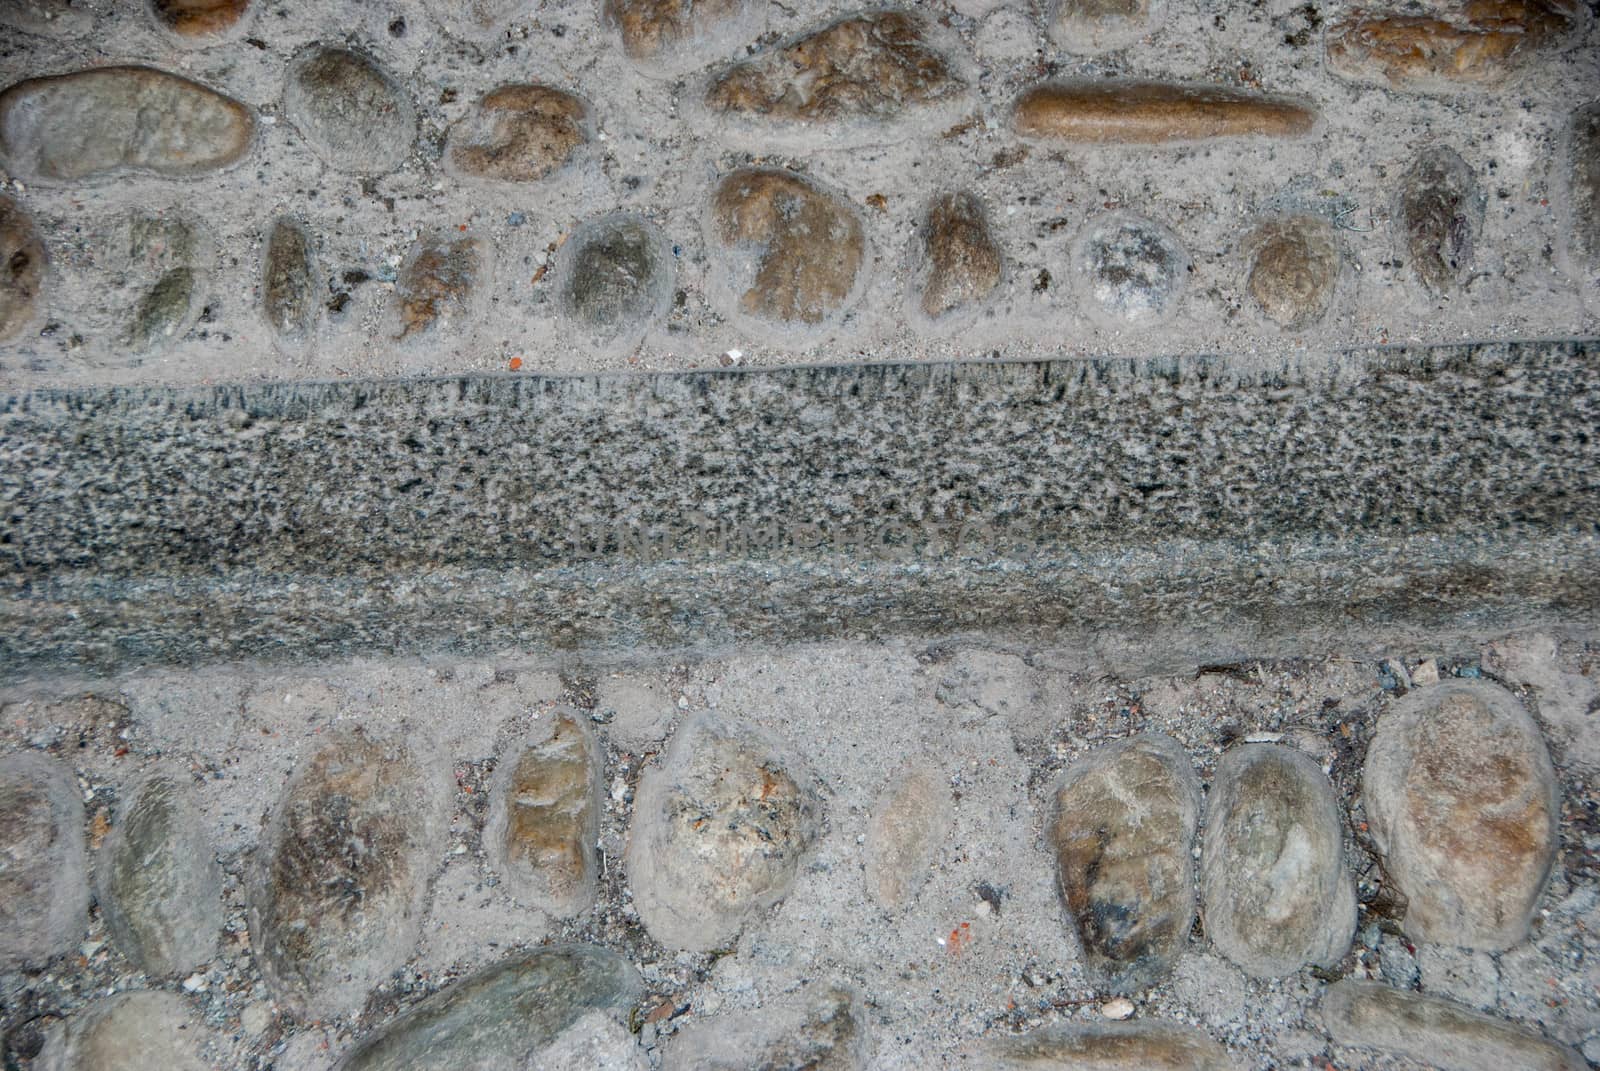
[138,1031]
[1272,877]
[1294,269]
[350,111]
[1132,269]
[341,873]
[1123,836]
[1463,803]
[964,263]
[1441,213]
[158,883]
[44,891]
[519,133]
[289,282]
[907,824]
[719,830]
[615,275]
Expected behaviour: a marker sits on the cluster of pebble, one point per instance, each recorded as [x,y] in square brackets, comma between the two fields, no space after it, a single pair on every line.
[793,256]
[1458,791]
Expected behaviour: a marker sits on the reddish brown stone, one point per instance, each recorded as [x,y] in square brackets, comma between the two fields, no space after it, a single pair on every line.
[436,285]
[1153,112]
[652,27]
[199,18]
[868,66]
[546,818]
[1482,43]
[519,133]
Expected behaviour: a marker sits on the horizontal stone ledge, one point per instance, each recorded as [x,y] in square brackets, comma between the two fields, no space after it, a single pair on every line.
[1222,502]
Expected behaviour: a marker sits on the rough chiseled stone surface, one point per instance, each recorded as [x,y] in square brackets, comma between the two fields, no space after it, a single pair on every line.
[867,66]
[1123,832]
[1479,42]
[157,881]
[1154,112]
[1583,188]
[436,287]
[137,1031]
[616,275]
[1130,1046]
[104,122]
[504,1015]
[341,873]
[44,896]
[1087,26]
[807,244]
[820,1029]
[1437,1032]
[1273,886]
[289,282]
[964,263]
[1441,214]
[1134,270]
[1294,269]
[718,832]
[349,110]
[22,268]
[519,133]
[907,827]
[544,818]
[652,28]
[199,18]
[1462,803]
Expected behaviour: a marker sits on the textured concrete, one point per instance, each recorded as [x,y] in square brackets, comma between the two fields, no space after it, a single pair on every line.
[1375,493]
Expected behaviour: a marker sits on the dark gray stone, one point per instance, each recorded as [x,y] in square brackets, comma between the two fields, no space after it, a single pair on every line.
[44,891]
[1272,877]
[289,282]
[137,1031]
[1583,189]
[718,832]
[1123,838]
[165,312]
[340,876]
[616,276]
[1133,271]
[350,111]
[502,1016]
[1436,1032]
[1441,213]
[1205,495]
[157,880]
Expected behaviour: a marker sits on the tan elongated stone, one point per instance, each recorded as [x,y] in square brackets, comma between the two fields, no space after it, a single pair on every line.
[1480,43]
[199,18]
[651,28]
[1462,802]
[808,244]
[1088,26]
[341,872]
[963,261]
[519,133]
[1437,1032]
[1123,832]
[544,818]
[718,833]
[867,66]
[103,122]
[1154,112]
[1294,269]
[44,897]
[22,268]
[1139,1045]
[1272,877]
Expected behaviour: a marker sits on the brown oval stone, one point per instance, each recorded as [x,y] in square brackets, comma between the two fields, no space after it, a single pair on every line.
[519,133]
[1123,832]
[1155,112]
[1462,802]
[964,262]
[652,27]
[1441,212]
[809,243]
[22,268]
[1087,26]
[199,18]
[1481,43]
[544,818]
[1294,269]
[866,66]
[104,122]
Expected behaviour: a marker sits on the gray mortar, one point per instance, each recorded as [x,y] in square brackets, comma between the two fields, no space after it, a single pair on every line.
[1281,505]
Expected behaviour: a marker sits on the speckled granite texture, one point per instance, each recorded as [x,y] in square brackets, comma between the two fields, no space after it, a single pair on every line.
[1189,507]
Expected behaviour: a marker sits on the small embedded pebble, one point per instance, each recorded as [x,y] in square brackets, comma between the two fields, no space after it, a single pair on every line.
[653,29]
[822,1028]
[1582,232]
[289,281]
[1440,214]
[963,261]
[519,133]
[1294,269]
[1135,1045]
[1149,113]
[350,111]
[1118,1009]
[165,312]
[1480,43]
[903,834]
[435,288]
[1133,270]
[141,1030]
[615,275]
[199,18]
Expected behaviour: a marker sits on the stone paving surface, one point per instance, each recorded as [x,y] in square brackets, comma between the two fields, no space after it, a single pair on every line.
[840,857]
[1320,176]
